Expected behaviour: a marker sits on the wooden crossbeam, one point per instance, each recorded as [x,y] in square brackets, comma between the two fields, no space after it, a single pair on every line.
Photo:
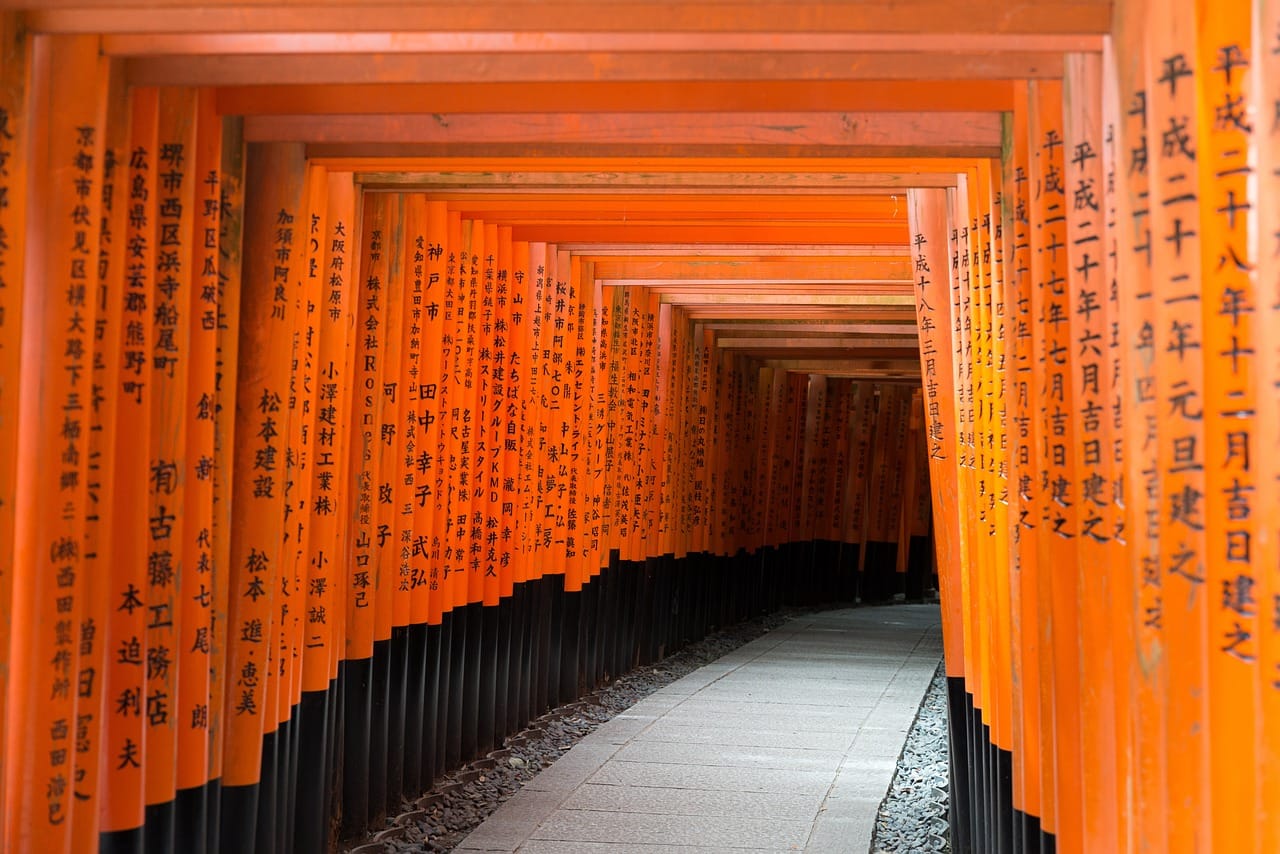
[851,133]
[606,96]
[440,41]
[967,17]
[572,67]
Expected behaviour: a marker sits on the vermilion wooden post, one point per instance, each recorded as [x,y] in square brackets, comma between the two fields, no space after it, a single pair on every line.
[487,501]
[434,232]
[1228,299]
[391,602]
[415,493]
[998,330]
[977,675]
[927,217]
[532,439]
[169,553]
[1265,86]
[302,404]
[1147,672]
[15,74]
[99,512]
[195,646]
[273,236]
[453,582]
[322,618]
[1091,389]
[1062,528]
[596,435]
[67,100]
[1173,77]
[360,581]
[1025,464]
[231,221]
[1119,521]
[434,329]
[123,781]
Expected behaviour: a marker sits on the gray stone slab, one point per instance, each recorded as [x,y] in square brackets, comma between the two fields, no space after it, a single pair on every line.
[513,821]
[719,778]
[690,734]
[623,829]
[785,758]
[679,802]
[706,704]
[546,846]
[773,716]
[574,768]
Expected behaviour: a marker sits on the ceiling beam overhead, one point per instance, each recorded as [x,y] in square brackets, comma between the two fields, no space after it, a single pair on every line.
[687,183]
[604,96]
[761,328]
[848,268]
[797,300]
[653,41]
[967,17]
[854,134]
[313,68]
[740,234]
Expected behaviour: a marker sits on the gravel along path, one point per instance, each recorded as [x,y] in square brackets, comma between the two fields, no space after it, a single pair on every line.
[442,818]
[913,815]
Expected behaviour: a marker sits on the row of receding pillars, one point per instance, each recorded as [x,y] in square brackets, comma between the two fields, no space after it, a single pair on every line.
[1099,320]
[310,495]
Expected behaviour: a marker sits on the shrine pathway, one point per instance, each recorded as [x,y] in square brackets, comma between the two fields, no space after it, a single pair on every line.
[786,744]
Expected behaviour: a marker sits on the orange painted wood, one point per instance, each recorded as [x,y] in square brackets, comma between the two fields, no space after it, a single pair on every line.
[419,383]
[92,705]
[1091,390]
[1229,293]
[65,110]
[650,448]
[569,68]
[536,432]
[859,134]
[324,623]
[462,404]
[1180,354]
[1122,584]
[366,418]
[1025,461]
[926,16]
[928,213]
[170,556]
[598,523]
[410,498]
[392,597]
[431,469]
[578,391]
[504,415]
[123,780]
[519,362]
[195,646]
[274,220]
[1265,66]
[14,72]
[453,581]
[417,41]
[691,96]
[230,255]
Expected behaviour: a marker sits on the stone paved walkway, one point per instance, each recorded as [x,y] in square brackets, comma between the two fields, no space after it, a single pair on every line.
[786,744]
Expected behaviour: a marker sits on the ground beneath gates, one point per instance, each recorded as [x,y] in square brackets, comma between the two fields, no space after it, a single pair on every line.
[788,743]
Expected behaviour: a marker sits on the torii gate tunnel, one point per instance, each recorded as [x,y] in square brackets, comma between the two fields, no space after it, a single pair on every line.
[375,376]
